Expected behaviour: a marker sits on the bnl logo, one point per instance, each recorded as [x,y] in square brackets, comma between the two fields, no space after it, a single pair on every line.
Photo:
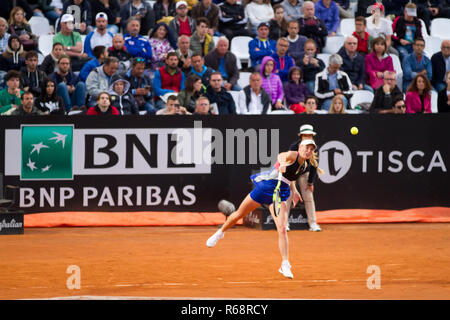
[335,159]
[47,152]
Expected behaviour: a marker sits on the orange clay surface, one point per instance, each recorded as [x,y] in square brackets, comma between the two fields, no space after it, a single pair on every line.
[173,262]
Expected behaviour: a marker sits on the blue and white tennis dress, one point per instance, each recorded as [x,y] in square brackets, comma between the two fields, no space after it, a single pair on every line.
[266,182]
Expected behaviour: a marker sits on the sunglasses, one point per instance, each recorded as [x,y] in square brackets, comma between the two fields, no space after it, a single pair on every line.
[139,59]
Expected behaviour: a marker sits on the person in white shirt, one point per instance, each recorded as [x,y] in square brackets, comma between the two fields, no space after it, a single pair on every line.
[100,36]
[258,11]
[379,26]
[253,99]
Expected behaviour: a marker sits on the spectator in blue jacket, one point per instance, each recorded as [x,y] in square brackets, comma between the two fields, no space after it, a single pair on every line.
[100,36]
[100,53]
[328,12]
[416,63]
[261,46]
[137,45]
[283,62]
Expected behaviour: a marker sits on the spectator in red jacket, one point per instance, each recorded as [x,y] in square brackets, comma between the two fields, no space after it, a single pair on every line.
[103,106]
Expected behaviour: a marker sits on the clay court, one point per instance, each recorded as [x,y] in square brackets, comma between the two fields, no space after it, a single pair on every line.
[173,262]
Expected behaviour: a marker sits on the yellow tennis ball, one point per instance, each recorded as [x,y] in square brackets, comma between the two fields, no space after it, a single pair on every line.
[354,130]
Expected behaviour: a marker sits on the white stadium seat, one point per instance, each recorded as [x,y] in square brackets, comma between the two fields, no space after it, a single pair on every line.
[282,112]
[215,39]
[333,44]
[45,44]
[239,46]
[432,45]
[39,25]
[398,69]
[440,28]
[361,96]
[434,101]
[347,27]
[424,29]
[244,79]
[235,95]
[324,57]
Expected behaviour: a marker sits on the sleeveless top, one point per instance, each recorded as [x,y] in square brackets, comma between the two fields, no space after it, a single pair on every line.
[294,170]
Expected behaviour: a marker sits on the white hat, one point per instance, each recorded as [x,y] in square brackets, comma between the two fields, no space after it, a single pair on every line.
[308,142]
[101,15]
[180,3]
[67,18]
[307,129]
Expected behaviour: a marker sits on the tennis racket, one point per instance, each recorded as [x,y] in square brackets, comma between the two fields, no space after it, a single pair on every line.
[276,196]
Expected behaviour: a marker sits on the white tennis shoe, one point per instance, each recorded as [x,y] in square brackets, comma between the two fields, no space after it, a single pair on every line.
[212,241]
[314,227]
[285,270]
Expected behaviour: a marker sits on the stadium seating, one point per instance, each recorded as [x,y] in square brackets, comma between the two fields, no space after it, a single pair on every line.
[324,57]
[439,28]
[424,29]
[434,101]
[432,45]
[282,112]
[46,44]
[235,95]
[39,25]
[244,79]
[398,69]
[215,39]
[151,2]
[239,46]
[361,96]
[333,44]
[346,27]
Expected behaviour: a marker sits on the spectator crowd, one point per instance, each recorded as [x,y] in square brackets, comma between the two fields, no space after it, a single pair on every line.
[164,57]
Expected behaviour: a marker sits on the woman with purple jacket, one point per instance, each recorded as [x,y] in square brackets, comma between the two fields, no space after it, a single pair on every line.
[271,82]
[295,90]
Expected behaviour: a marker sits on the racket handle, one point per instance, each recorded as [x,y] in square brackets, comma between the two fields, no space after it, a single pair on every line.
[280,175]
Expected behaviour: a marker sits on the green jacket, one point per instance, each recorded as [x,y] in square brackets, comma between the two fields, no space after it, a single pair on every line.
[7,100]
[196,46]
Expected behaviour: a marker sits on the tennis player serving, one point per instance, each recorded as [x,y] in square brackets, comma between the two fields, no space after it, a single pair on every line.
[266,185]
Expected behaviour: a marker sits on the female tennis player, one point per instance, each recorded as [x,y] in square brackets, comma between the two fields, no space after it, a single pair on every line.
[291,164]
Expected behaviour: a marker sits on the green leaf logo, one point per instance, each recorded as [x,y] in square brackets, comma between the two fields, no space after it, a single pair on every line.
[47,152]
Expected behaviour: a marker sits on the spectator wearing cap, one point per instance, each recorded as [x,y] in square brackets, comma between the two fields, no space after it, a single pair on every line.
[168,79]
[258,11]
[283,62]
[233,20]
[378,26]
[142,11]
[100,36]
[137,45]
[209,10]
[328,12]
[224,61]
[71,40]
[201,40]
[312,26]
[182,24]
[85,23]
[112,9]
[406,28]
[141,86]
[261,46]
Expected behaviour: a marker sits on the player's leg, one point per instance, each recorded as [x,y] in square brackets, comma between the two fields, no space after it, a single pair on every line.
[308,200]
[247,205]
[283,241]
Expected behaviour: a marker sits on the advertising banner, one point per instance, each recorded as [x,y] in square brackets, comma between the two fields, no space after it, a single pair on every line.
[189,163]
